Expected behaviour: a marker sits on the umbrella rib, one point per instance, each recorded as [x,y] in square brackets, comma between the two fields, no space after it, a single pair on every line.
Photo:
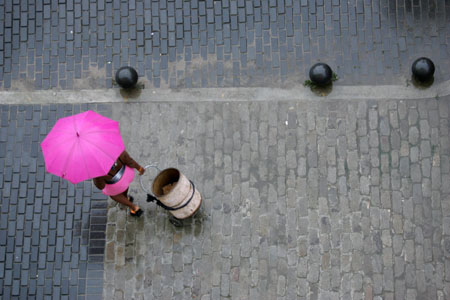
[100,131]
[67,162]
[64,132]
[100,149]
[84,162]
[60,139]
[88,141]
[77,144]
[80,148]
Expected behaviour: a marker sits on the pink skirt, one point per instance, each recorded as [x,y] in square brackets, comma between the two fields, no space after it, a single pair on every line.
[121,185]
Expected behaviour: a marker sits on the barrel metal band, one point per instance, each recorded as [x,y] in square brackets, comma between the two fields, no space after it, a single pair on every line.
[151,198]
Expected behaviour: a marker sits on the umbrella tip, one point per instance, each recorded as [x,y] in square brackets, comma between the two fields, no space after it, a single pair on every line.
[78,135]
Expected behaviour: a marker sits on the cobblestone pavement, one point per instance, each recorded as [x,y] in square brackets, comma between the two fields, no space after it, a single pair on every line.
[74,44]
[302,200]
[52,233]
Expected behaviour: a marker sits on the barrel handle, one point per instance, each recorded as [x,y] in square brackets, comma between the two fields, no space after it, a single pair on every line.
[140,178]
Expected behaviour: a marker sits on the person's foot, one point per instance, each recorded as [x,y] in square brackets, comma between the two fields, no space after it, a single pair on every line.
[136,211]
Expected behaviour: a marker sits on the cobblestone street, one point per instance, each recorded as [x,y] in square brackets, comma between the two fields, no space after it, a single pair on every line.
[74,44]
[307,200]
[52,233]
[310,196]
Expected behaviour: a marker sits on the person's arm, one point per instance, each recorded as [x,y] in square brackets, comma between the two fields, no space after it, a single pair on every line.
[99,183]
[129,161]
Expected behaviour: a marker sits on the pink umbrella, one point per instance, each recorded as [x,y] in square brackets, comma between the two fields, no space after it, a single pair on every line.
[82,146]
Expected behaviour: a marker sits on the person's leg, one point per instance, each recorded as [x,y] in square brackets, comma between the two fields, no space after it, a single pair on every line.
[122,199]
[125,193]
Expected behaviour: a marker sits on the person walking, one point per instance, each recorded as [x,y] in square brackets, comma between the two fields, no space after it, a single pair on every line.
[115,184]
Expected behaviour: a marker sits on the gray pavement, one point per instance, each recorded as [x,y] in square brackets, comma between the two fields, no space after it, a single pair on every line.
[337,194]
[302,200]
[74,44]
[305,196]
[334,92]
[52,233]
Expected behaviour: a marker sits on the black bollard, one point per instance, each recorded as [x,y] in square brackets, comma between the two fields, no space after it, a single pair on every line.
[423,69]
[320,74]
[126,77]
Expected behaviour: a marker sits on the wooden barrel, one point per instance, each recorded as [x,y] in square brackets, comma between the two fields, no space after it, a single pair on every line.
[174,190]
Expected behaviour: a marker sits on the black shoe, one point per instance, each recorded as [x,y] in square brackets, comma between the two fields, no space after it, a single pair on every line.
[138,213]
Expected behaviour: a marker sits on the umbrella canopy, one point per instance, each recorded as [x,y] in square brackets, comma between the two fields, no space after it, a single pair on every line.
[82,146]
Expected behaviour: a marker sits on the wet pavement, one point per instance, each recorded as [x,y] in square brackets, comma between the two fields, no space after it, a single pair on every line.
[79,44]
[303,199]
[52,233]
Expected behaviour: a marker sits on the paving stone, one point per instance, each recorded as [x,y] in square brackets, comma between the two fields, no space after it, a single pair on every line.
[35,246]
[394,152]
[251,238]
[142,26]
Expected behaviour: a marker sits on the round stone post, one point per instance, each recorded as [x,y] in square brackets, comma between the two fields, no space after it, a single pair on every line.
[321,74]
[423,69]
[126,77]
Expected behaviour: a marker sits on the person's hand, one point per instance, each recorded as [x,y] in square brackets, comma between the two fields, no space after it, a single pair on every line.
[141,171]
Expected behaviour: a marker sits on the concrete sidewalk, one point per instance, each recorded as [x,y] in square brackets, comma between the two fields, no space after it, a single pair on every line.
[141,94]
[302,200]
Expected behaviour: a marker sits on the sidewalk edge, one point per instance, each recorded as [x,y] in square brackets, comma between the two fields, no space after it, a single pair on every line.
[301,93]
